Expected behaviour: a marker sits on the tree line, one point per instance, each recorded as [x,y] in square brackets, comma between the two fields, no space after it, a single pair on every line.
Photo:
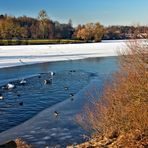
[43,27]
[126,32]
[33,28]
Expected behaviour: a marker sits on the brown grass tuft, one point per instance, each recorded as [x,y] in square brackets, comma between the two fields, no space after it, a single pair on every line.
[22,144]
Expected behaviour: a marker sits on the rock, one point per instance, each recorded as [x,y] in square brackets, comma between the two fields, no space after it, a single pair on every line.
[10,144]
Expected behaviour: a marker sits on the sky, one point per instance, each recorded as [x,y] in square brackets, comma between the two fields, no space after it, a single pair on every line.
[107,12]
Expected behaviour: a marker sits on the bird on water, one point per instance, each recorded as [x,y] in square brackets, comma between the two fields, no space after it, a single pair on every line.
[48,81]
[52,73]
[23,82]
[21,103]
[1,97]
[10,86]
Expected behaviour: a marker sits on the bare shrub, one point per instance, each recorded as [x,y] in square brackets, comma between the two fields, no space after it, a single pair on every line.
[123,106]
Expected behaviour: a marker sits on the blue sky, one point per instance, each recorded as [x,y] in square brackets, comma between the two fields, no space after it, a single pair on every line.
[108,12]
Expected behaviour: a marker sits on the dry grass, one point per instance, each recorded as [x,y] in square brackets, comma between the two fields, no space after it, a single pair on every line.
[22,144]
[123,106]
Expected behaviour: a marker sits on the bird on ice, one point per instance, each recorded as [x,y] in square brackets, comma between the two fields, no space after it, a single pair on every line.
[56,113]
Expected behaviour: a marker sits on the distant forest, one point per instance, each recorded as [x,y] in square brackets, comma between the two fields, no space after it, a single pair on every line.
[43,27]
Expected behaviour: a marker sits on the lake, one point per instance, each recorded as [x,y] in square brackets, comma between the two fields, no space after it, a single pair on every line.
[26,101]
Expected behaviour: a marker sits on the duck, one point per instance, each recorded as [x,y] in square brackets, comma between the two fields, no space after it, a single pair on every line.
[66,88]
[18,95]
[71,95]
[72,99]
[52,73]
[23,82]
[56,113]
[48,81]
[39,76]
[1,97]
[10,86]
[21,103]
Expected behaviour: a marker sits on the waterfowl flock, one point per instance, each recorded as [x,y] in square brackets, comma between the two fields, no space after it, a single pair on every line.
[23,82]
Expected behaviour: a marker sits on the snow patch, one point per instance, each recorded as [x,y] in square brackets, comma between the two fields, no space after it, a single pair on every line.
[30,54]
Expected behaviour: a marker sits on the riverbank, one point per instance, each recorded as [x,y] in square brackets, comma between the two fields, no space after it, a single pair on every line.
[134,139]
[31,54]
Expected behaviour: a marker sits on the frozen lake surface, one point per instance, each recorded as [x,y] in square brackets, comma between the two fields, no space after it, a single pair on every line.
[29,54]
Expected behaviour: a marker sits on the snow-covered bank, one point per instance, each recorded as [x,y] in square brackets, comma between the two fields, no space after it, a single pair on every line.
[30,54]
